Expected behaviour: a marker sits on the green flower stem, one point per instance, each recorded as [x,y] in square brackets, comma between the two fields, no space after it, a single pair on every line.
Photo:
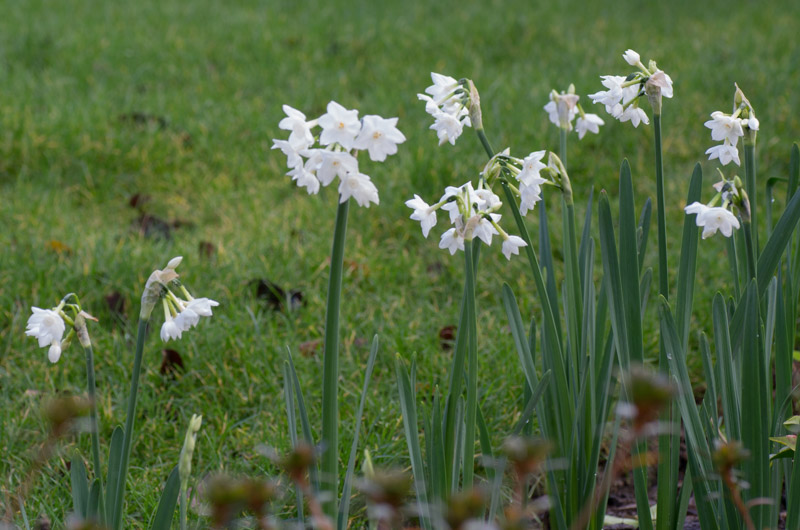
[562,145]
[98,472]
[129,421]
[330,369]
[183,500]
[663,274]
[750,186]
[749,237]
[485,142]
[472,367]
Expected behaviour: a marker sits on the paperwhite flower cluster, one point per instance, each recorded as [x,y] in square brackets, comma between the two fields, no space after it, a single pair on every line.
[728,128]
[180,313]
[720,218]
[622,97]
[447,100]
[472,212]
[563,108]
[343,135]
[47,326]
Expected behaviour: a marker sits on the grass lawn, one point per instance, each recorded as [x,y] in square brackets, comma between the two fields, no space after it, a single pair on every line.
[178,102]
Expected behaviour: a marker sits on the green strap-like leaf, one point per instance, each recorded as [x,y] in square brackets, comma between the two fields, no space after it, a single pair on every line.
[80,486]
[114,471]
[165,511]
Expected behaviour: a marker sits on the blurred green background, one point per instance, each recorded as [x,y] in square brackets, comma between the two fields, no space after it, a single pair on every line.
[172,106]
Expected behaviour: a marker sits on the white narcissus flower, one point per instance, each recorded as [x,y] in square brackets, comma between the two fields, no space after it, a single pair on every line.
[724,128]
[631,57]
[452,241]
[293,158]
[448,127]
[511,245]
[202,306]
[305,179]
[530,194]
[725,152]
[360,187]
[379,136]
[635,114]
[712,219]
[588,123]
[339,125]
[531,166]
[422,213]
[332,164]
[561,109]
[613,95]
[170,330]
[46,326]
[295,121]
[442,87]
[482,228]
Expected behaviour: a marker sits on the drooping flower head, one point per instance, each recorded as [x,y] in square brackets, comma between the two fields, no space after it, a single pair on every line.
[564,107]
[448,101]
[728,128]
[623,93]
[712,218]
[343,136]
[181,311]
[48,326]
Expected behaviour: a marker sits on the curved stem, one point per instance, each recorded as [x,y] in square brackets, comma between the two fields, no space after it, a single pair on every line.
[129,423]
[330,369]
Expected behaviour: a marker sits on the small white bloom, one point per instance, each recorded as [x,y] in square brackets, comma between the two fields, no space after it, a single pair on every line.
[725,152]
[752,123]
[452,241]
[588,123]
[186,319]
[360,187]
[169,330]
[635,114]
[339,125]
[663,81]
[562,109]
[305,179]
[54,353]
[512,246]
[531,166]
[442,88]
[422,213]
[712,219]
[379,136]
[293,158]
[295,121]
[46,326]
[724,128]
[530,194]
[482,228]
[631,57]
[332,164]
[448,127]
[613,95]
[202,306]
[470,195]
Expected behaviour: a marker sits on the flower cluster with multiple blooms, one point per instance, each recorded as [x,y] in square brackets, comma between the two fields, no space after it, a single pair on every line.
[622,97]
[712,218]
[343,135]
[564,107]
[181,313]
[728,128]
[49,325]
[448,101]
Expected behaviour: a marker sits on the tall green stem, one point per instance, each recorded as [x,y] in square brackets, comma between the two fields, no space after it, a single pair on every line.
[183,507]
[330,369]
[129,423]
[750,185]
[562,145]
[663,271]
[472,367]
[98,472]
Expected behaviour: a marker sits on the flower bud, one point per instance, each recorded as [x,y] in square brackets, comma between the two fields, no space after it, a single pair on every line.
[185,461]
[631,57]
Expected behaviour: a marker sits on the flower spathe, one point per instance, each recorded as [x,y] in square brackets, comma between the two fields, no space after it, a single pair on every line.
[343,136]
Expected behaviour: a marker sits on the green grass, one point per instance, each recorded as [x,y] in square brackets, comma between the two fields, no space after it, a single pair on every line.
[217,75]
